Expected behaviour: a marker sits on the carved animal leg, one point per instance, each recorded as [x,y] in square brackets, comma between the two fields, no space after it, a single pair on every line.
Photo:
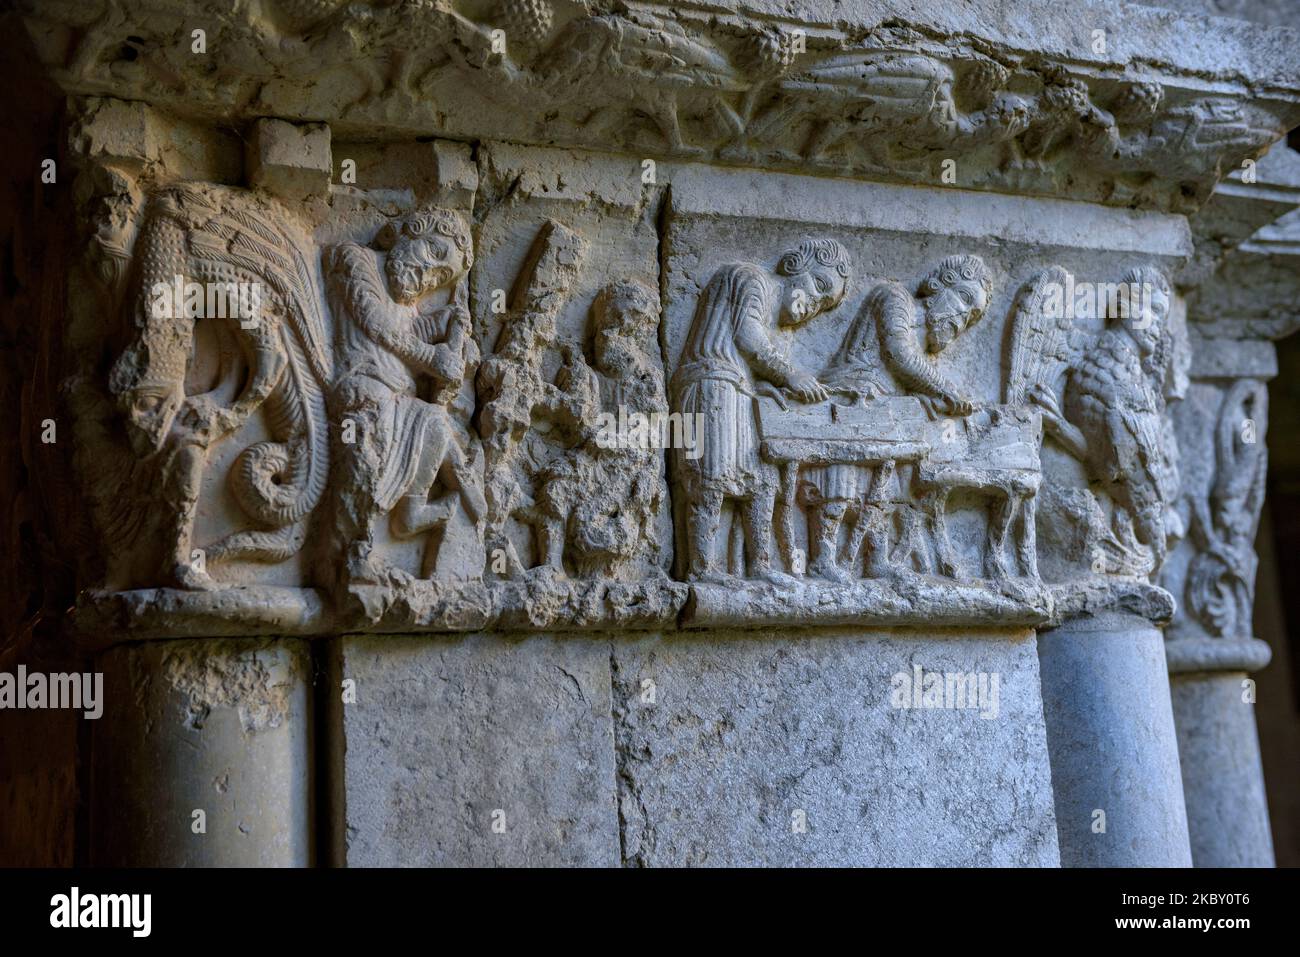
[1001,517]
[936,507]
[786,506]
[857,536]
[662,108]
[825,564]
[872,528]
[914,548]
[703,522]
[1026,543]
[825,135]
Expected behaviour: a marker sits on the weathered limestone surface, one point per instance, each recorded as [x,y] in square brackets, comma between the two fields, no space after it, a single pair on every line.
[1218,747]
[480,750]
[1110,732]
[627,397]
[203,755]
[780,749]
[718,748]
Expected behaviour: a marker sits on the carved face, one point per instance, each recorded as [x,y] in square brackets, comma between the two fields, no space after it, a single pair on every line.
[1011,114]
[150,410]
[950,309]
[809,294]
[617,351]
[1149,317]
[417,266]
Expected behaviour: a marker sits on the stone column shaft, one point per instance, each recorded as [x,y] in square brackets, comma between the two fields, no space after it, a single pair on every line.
[1110,734]
[203,755]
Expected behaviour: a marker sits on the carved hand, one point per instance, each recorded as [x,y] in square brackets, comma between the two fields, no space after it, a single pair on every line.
[805,387]
[1039,394]
[457,320]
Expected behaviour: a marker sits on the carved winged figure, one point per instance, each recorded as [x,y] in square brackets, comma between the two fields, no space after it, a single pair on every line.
[653,57]
[1103,400]
[215,235]
[1192,140]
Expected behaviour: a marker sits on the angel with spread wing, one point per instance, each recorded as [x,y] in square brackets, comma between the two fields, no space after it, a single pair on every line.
[1103,400]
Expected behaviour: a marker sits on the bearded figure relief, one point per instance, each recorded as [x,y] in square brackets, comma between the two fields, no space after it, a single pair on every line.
[402,361]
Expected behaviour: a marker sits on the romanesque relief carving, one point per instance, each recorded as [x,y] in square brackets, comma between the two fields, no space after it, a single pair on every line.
[729,358]
[358,430]
[560,460]
[887,99]
[1220,586]
[887,109]
[402,361]
[514,395]
[811,449]
[598,499]
[183,394]
[872,451]
[1102,396]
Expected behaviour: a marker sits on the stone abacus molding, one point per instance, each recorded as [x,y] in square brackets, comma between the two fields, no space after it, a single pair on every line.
[1103,102]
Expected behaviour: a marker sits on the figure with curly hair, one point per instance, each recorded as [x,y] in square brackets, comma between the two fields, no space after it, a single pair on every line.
[890,350]
[730,355]
[396,445]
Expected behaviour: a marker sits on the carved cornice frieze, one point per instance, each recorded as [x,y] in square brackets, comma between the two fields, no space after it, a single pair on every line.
[526,390]
[1105,103]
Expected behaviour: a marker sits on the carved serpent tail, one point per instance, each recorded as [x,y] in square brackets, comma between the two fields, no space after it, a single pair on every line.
[279,482]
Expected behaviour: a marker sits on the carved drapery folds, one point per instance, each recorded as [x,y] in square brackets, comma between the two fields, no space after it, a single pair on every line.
[567,407]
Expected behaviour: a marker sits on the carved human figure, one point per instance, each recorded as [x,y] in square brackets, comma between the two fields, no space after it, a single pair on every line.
[892,324]
[730,355]
[1112,417]
[895,108]
[396,446]
[597,502]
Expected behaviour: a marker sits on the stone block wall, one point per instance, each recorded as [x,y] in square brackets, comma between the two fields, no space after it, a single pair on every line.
[542,434]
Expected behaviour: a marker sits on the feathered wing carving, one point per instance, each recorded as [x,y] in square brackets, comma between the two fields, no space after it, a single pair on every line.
[277,483]
[1040,336]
